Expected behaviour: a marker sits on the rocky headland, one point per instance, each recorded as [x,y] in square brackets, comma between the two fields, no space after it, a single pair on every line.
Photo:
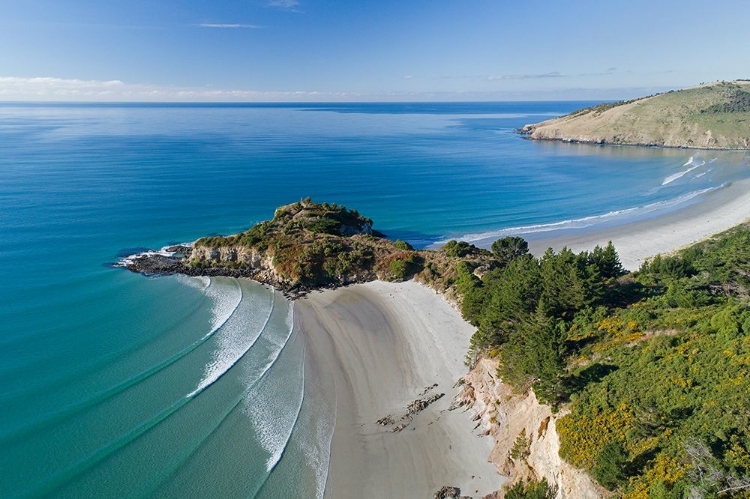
[713,116]
[308,246]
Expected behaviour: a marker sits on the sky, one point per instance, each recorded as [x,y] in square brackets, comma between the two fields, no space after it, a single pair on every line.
[334,50]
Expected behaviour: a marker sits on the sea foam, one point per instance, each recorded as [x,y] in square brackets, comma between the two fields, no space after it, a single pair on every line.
[585,222]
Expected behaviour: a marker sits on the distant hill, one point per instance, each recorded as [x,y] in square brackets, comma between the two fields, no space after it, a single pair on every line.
[713,116]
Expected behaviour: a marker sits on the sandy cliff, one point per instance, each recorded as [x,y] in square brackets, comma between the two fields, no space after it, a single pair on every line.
[505,416]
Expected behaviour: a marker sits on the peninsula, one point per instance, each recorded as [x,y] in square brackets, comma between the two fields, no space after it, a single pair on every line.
[308,246]
[712,116]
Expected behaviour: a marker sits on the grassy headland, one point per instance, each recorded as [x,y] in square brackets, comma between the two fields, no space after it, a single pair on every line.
[713,116]
[309,245]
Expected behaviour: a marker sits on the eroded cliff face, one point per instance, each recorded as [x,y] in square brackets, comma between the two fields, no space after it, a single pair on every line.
[236,254]
[250,262]
[505,416]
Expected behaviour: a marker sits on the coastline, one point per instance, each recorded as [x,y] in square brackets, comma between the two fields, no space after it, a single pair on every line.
[381,345]
[636,241]
[604,142]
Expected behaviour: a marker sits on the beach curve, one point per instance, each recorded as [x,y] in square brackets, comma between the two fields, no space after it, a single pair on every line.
[383,345]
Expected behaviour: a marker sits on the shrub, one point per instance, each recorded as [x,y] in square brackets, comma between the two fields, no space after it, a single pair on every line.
[399,269]
[609,469]
[531,490]
[403,245]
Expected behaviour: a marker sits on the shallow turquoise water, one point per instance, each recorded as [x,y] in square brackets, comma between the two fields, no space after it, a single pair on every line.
[115,384]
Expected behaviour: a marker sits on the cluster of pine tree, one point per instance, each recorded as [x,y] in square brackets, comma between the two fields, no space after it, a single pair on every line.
[653,366]
[526,307]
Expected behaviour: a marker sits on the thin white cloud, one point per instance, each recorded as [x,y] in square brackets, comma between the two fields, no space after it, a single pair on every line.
[290,5]
[49,89]
[407,77]
[553,74]
[228,26]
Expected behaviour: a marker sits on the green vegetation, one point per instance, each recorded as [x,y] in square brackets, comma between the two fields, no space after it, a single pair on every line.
[310,244]
[530,490]
[526,309]
[520,448]
[403,245]
[459,249]
[509,248]
[653,366]
[737,100]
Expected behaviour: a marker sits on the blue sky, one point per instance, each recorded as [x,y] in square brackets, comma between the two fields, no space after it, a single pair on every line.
[307,50]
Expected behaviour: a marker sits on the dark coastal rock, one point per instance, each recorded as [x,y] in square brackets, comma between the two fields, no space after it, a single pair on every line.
[420,405]
[155,264]
[448,492]
[385,421]
[428,388]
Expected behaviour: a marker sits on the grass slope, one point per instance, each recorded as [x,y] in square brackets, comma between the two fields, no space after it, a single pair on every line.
[715,116]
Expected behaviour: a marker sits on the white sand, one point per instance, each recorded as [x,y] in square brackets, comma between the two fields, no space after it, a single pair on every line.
[383,344]
[719,211]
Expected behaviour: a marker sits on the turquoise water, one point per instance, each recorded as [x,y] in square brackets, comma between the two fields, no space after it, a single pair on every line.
[118,385]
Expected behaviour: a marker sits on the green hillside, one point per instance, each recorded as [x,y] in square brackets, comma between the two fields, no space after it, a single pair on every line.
[715,116]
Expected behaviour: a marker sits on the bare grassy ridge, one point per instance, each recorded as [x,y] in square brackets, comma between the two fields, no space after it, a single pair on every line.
[715,116]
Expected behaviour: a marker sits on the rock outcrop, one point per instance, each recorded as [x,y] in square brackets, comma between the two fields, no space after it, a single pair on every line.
[308,246]
[505,416]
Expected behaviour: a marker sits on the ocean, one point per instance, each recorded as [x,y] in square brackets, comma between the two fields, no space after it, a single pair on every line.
[118,385]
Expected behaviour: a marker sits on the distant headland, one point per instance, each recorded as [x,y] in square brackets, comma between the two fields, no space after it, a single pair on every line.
[709,116]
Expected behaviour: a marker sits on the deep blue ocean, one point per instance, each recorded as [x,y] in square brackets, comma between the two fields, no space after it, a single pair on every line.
[117,385]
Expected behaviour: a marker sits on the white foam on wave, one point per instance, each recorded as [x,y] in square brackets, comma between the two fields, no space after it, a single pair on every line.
[317,450]
[226,299]
[278,442]
[237,338]
[677,175]
[703,173]
[198,282]
[268,405]
[127,260]
[582,223]
[689,161]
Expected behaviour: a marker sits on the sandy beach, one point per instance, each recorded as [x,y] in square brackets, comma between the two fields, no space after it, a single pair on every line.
[718,211]
[382,345]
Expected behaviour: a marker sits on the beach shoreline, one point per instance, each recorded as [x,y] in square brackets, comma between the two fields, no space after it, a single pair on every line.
[636,241]
[382,346]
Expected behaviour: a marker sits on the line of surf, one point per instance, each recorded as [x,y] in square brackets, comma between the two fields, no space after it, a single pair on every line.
[219,321]
[212,377]
[100,362]
[681,174]
[277,454]
[106,451]
[584,222]
[176,463]
[267,436]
